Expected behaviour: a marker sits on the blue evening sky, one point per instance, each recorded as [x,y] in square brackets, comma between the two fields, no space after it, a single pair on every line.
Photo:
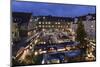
[45,9]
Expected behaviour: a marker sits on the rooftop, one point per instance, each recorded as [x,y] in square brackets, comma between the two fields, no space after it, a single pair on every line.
[21,17]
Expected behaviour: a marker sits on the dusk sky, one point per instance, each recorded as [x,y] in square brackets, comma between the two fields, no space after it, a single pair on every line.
[46,9]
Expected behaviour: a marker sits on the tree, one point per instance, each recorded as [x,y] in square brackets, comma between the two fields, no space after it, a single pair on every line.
[81,34]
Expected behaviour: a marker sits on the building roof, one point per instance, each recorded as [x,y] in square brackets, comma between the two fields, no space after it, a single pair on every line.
[54,18]
[21,17]
[57,45]
[84,17]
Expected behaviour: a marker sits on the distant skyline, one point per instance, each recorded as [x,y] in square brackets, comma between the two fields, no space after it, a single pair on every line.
[45,9]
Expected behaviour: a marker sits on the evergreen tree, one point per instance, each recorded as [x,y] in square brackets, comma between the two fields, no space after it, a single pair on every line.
[81,34]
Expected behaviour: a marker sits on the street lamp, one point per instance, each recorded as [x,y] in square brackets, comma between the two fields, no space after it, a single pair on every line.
[91,30]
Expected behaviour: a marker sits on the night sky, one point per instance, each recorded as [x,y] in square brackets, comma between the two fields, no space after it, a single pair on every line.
[46,9]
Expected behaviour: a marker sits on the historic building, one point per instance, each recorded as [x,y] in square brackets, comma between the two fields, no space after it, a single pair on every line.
[52,22]
[89,22]
[20,23]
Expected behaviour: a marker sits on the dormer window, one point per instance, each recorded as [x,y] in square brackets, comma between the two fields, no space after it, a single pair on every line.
[43,17]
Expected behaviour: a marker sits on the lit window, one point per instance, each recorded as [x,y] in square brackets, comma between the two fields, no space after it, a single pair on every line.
[36,27]
[46,22]
[49,26]
[42,25]
[15,19]
[93,17]
[58,26]
[49,23]
[39,25]
[58,22]
[39,22]
[35,19]
[92,26]
[43,17]
[52,25]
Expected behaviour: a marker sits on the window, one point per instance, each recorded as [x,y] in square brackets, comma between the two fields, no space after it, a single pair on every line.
[15,19]
[42,25]
[39,25]
[39,22]
[52,25]
[31,20]
[42,22]
[43,17]
[46,26]
[46,22]
[49,26]
[58,22]
[49,23]
[58,26]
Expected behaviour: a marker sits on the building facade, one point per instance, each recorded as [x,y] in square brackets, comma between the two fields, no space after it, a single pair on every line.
[20,22]
[50,22]
[89,22]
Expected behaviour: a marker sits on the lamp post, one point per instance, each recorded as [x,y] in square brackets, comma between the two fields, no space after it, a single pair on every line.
[91,31]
